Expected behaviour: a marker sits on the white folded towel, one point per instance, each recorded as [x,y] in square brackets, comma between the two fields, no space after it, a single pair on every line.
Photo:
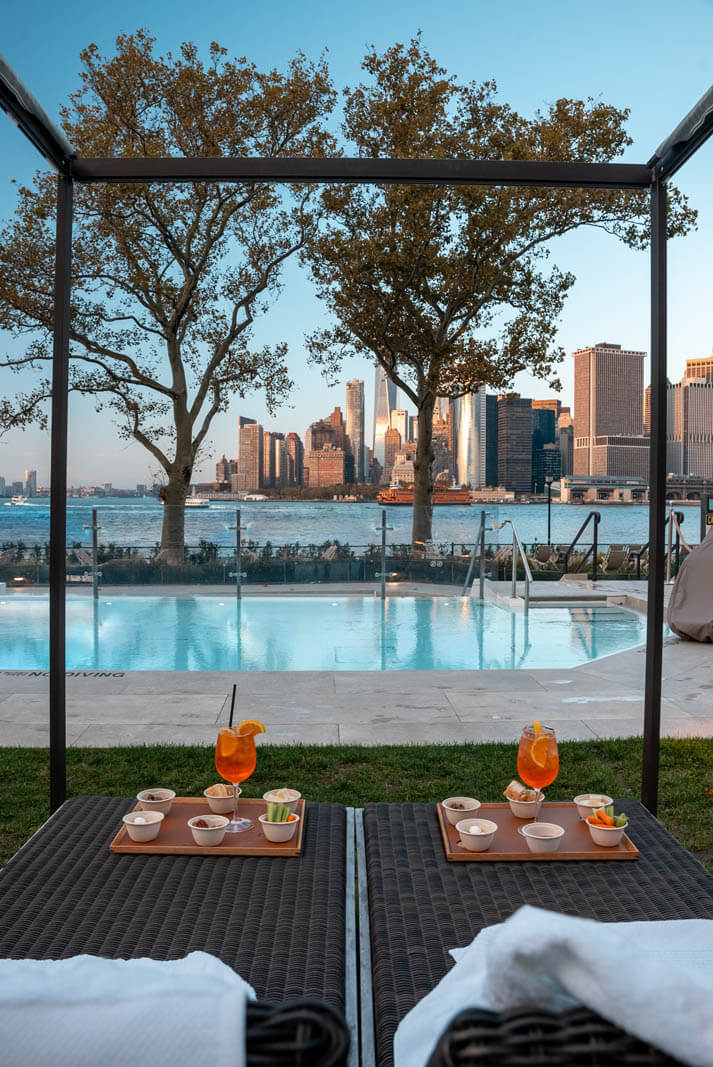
[653,979]
[85,1011]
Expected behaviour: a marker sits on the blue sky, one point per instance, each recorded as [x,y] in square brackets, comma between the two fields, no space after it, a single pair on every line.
[649,57]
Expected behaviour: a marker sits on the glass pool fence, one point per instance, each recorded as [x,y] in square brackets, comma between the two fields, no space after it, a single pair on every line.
[208,563]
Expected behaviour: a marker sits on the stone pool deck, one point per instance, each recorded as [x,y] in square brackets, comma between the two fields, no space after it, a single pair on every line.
[603,698]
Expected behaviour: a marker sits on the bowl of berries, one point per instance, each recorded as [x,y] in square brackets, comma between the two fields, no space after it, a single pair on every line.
[208,829]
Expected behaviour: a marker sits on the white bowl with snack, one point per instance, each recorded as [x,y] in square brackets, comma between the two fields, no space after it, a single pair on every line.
[543,836]
[278,832]
[208,830]
[156,800]
[587,803]
[607,836]
[220,798]
[524,803]
[143,825]
[289,797]
[476,834]
[459,808]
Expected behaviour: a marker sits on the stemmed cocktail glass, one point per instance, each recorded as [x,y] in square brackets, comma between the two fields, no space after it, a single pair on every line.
[537,757]
[235,760]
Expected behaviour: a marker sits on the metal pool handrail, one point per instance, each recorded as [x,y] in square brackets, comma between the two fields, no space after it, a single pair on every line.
[595,518]
[479,542]
[517,549]
[517,545]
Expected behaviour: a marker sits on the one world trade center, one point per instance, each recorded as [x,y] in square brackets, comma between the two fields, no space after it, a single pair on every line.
[385,402]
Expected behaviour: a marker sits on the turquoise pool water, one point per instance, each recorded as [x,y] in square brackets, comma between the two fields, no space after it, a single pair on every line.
[310,633]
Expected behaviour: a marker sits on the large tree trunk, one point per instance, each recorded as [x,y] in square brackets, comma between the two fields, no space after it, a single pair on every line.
[422,525]
[174,495]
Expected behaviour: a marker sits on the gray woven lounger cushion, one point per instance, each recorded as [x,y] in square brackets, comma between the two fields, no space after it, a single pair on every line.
[420,905]
[279,923]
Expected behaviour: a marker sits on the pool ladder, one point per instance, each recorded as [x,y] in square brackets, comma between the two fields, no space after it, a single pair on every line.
[517,551]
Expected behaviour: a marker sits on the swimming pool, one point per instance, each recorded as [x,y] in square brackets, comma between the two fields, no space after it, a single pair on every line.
[205,633]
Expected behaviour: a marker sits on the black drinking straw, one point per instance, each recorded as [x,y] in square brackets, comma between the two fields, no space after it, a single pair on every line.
[232,705]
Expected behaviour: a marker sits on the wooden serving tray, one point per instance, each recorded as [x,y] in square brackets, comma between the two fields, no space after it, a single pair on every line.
[511,846]
[175,838]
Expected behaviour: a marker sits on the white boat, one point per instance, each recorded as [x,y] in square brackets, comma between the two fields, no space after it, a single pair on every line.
[196,502]
[17,501]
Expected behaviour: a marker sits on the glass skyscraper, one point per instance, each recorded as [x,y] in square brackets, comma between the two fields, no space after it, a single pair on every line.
[470,436]
[385,400]
[355,427]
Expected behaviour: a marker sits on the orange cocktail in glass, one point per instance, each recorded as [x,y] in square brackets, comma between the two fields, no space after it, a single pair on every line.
[235,760]
[537,757]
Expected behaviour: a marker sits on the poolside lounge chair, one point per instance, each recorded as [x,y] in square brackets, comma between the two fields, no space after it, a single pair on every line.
[64,894]
[420,906]
[615,558]
[533,1038]
[545,554]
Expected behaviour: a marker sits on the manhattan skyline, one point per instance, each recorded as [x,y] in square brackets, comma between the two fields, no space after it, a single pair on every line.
[536,56]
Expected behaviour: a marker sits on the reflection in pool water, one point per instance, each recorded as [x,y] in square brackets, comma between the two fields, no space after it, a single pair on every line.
[311,633]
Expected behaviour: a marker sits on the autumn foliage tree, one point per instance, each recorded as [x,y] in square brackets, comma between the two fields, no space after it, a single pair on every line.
[167,279]
[448,287]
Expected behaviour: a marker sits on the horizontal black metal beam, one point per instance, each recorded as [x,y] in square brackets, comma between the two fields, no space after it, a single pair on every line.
[686,139]
[381,171]
[20,105]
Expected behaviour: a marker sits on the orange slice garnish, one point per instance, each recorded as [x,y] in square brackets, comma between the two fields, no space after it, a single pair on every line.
[250,726]
[537,727]
[538,750]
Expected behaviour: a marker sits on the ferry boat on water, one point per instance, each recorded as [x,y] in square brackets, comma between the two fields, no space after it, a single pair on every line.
[196,502]
[18,501]
[401,495]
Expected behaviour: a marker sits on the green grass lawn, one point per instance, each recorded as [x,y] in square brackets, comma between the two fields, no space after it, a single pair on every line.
[353,775]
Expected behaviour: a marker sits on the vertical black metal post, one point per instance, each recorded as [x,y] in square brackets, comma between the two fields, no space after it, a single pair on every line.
[95,554]
[704,501]
[238,560]
[481,574]
[383,553]
[549,513]
[595,544]
[657,500]
[58,494]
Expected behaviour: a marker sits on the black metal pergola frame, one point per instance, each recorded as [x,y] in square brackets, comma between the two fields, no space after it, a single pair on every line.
[685,140]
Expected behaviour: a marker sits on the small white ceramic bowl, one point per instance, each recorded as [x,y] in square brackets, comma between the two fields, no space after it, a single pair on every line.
[164,800]
[543,836]
[467,810]
[608,836]
[526,809]
[143,825]
[587,803]
[220,805]
[278,831]
[213,833]
[294,796]
[476,834]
